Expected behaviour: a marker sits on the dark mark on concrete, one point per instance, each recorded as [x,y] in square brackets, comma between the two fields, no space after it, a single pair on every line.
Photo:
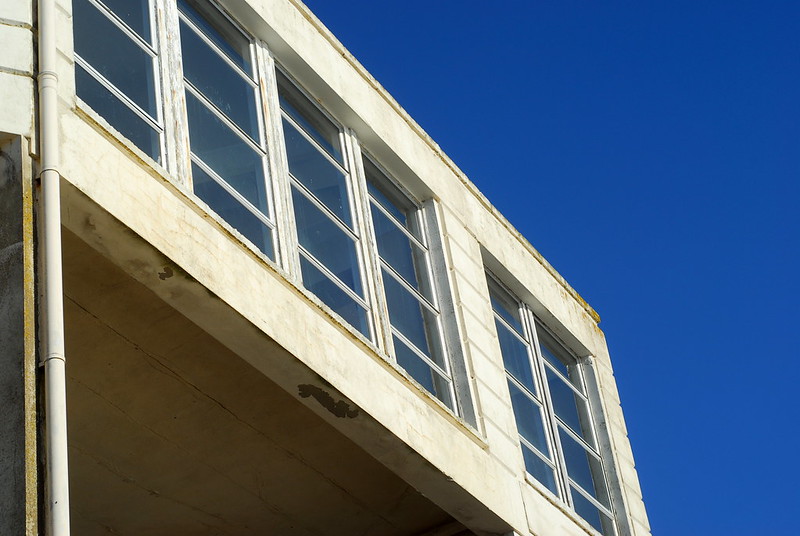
[341,408]
[166,274]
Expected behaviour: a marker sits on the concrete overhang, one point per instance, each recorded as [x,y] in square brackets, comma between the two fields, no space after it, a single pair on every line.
[187,419]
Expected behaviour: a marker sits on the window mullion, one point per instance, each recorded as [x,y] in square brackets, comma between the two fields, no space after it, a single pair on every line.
[176,125]
[372,263]
[261,67]
[351,149]
[288,242]
[547,402]
[450,325]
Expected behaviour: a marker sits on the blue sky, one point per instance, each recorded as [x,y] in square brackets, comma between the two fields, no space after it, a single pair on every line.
[651,151]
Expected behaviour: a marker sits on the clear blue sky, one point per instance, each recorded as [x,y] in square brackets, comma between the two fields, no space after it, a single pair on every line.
[651,151]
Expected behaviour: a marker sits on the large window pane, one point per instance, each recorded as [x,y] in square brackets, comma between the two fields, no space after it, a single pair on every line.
[118,115]
[322,178]
[508,309]
[334,297]
[583,467]
[530,423]
[415,321]
[314,122]
[218,82]
[381,198]
[406,257]
[515,357]
[114,55]
[422,372]
[226,153]
[223,33]
[232,211]
[569,406]
[135,13]
[539,469]
[326,241]
[558,358]
[591,513]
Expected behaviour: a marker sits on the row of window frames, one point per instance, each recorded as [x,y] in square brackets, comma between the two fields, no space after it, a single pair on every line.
[126,72]
[189,31]
[567,440]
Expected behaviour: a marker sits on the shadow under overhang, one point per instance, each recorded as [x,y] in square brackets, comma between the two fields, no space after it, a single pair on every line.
[171,433]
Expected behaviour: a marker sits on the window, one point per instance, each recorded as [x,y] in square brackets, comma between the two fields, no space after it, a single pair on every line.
[115,68]
[551,406]
[226,135]
[217,143]
[408,287]
[321,191]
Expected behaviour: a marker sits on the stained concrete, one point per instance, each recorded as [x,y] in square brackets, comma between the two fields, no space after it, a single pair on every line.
[171,433]
[17,451]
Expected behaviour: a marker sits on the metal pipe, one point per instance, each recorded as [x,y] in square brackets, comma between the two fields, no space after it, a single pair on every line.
[57,478]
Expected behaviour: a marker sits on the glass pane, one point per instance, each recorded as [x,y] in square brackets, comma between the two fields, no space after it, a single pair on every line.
[114,55]
[591,513]
[326,241]
[416,322]
[308,116]
[406,257]
[317,173]
[583,467]
[226,153]
[569,406]
[135,13]
[539,469]
[529,419]
[117,114]
[232,211]
[222,32]
[506,307]
[384,201]
[515,357]
[334,297]
[421,371]
[220,84]
[558,357]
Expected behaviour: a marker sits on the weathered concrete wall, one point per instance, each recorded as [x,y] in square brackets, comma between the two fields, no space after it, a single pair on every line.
[17,356]
[16,67]
[145,220]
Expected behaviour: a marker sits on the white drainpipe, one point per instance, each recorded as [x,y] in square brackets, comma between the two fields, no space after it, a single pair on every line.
[57,478]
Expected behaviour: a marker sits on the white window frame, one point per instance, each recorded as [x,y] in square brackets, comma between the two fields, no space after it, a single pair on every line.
[422,216]
[155,51]
[532,326]
[182,86]
[351,168]
[176,159]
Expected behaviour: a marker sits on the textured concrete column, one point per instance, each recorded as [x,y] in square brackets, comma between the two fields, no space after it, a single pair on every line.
[18,482]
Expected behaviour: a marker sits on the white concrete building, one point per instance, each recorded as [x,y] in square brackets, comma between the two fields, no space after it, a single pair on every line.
[285,310]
